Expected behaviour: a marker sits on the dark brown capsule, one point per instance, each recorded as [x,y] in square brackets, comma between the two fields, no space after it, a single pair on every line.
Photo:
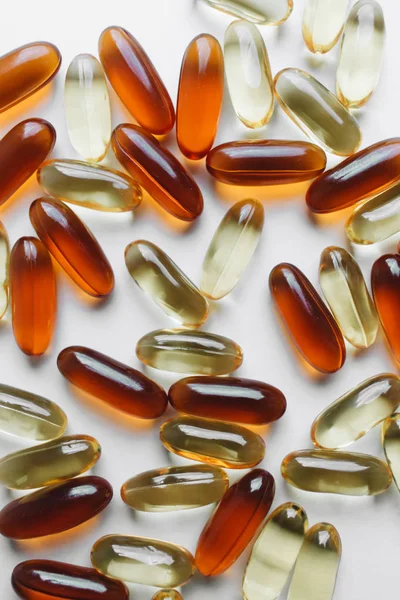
[385,283]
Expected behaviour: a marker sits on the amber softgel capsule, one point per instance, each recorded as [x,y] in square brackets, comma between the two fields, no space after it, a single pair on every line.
[385,283]
[4,270]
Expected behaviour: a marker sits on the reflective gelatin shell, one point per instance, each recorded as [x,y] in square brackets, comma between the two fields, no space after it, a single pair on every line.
[261,12]
[4,270]
[323,22]
[385,283]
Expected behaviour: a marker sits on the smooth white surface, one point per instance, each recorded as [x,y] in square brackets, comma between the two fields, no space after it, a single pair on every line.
[369,527]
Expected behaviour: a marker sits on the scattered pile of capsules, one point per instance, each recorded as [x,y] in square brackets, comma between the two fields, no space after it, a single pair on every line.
[213,410]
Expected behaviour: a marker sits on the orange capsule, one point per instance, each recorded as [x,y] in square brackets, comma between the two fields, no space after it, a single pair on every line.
[311,326]
[135,80]
[73,245]
[385,283]
[201,89]
[33,295]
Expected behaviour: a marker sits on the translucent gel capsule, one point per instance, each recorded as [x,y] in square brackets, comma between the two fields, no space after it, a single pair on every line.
[248,74]
[88,185]
[200,93]
[234,522]
[175,488]
[142,560]
[317,111]
[163,282]
[157,171]
[323,22]
[310,324]
[262,12]
[376,219]
[55,508]
[214,442]
[135,80]
[73,245]
[167,595]
[275,552]
[33,295]
[87,107]
[232,248]
[314,575]
[4,270]
[185,351]
[385,283]
[336,472]
[391,445]
[345,291]
[361,53]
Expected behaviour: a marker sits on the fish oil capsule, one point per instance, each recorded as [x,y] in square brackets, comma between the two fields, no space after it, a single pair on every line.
[200,93]
[55,508]
[234,522]
[135,80]
[33,295]
[87,107]
[167,595]
[344,288]
[336,472]
[185,351]
[310,324]
[116,384]
[313,108]
[262,12]
[163,281]
[385,283]
[376,219]
[232,248]
[275,552]
[142,560]
[391,445]
[361,53]
[214,442]
[175,488]
[88,185]
[265,162]
[323,22]
[233,399]
[157,171]
[4,270]
[248,74]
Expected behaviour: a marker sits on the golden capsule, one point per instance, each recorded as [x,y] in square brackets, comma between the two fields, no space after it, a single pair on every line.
[142,560]
[92,186]
[248,74]
[214,442]
[361,53]
[167,595]
[163,281]
[336,472]
[323,22]
[274,553]
[4,270]
[344,288]
[175,488]
[391,445]
[87,107]
[318,113]
[262,12]
[48,463]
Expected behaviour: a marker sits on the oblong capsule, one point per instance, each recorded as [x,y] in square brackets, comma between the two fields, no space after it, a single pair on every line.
[50,579]
[116,384]
[345,291]
[200,93]
[265,162]
[142,560]
[136,80]
[234,522]
[162,281]
[175,488]
[368,172]
[87,107]
[391,445]
[88,185]
[323,22]
[361,53]
[248,74]
[167,595]
[336,472]
[233,399]
[4,270]
[310,324]
[232,248]
[33,295]
[317,111]
[73,245]
[157,171]
[213,442]
[55,508]
[266,12]
[49,463]
[275,552]
[376,219]
[385,283]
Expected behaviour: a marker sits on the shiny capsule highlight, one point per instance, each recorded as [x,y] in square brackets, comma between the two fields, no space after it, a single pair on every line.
[4,270]
[385,283]
[391,445]
[376,219]
[323,22]
[261,12]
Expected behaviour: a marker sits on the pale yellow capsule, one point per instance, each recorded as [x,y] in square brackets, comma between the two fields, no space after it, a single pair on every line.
[167,595]
[274,553]
[4,270]
[262,12]
[317,111]
[87,107]
[323,22]
[391,445]
[344,288]
[163,281]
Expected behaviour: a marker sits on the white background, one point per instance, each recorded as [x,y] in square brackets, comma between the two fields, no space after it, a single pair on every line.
[369,527]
